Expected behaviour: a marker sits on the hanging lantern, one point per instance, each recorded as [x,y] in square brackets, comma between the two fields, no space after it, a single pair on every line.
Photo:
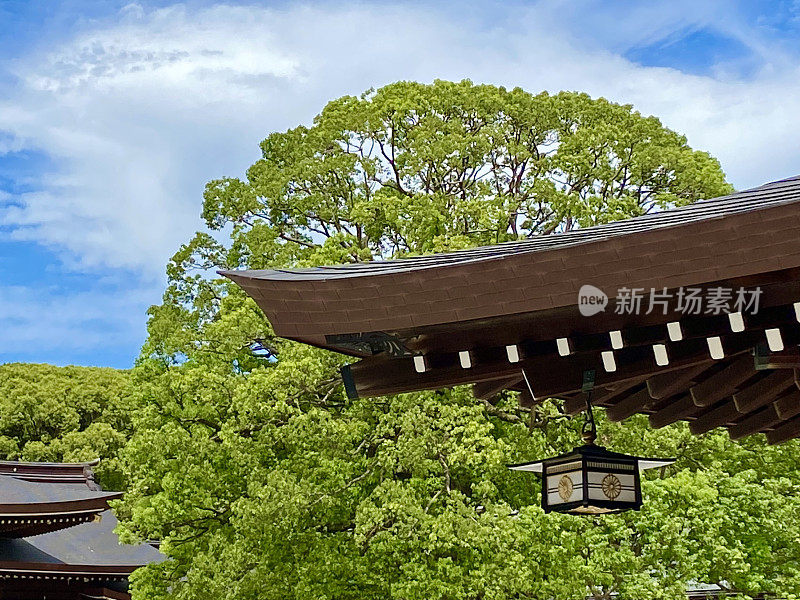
[591,480]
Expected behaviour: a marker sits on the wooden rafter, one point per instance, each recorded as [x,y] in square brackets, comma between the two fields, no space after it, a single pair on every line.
[486,389]
[787,431]
[724,383]
[763,391]
[668,384]
[788,407]
[674,411]
[602,397]
[758,421]
[630,405]
[724,414]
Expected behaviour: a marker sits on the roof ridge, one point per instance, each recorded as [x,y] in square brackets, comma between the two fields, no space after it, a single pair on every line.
[771,194]
[21,463]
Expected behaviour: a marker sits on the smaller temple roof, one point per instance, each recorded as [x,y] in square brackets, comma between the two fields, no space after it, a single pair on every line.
[34,504]
[80,472]
[83,547]
[57,534]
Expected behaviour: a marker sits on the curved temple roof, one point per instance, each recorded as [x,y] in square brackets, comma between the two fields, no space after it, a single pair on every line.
[768,195]
[56,530]
[31,507]
[507,316]
[683,246]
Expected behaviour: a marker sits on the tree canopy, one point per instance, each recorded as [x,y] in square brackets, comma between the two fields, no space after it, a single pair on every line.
[68,414]
[264,481]
[415,168]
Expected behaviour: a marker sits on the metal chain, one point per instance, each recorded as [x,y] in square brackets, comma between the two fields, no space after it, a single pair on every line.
[589,429]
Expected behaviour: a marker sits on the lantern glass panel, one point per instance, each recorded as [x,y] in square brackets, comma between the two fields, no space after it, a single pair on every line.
[612,481]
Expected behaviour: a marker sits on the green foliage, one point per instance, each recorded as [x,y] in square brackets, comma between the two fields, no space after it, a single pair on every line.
[263,481]
[414,168]
[67,414]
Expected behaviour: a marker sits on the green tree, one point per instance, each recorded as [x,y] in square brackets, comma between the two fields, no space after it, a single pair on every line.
[68,414]
[263,481]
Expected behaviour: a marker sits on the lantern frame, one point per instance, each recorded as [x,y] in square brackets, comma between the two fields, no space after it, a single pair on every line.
[620,477]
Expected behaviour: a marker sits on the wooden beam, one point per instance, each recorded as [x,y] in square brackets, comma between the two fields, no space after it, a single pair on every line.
[486,389]
[788,406]
[605,397]
[629,405]
[722,415]
[786,359]
[723,384]
[550,376]
[783,409]
[668,384]
[611,394]
[674,411]
[754,423]
[787,431]
[763,391]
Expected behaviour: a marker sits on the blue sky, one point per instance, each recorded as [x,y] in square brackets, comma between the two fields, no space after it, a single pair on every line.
[113,115]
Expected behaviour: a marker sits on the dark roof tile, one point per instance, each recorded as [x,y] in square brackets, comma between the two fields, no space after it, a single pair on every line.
[93,543]
[773,194]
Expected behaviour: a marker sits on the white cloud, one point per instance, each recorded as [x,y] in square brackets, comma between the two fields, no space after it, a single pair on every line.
[139,111]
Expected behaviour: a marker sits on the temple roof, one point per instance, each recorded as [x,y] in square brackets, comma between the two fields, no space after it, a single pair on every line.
[508,316]
[84,547]
[18,492]
[73,473]
[62,531]
[769,195]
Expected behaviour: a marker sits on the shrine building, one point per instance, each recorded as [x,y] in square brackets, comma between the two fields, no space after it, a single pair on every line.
[57,539]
